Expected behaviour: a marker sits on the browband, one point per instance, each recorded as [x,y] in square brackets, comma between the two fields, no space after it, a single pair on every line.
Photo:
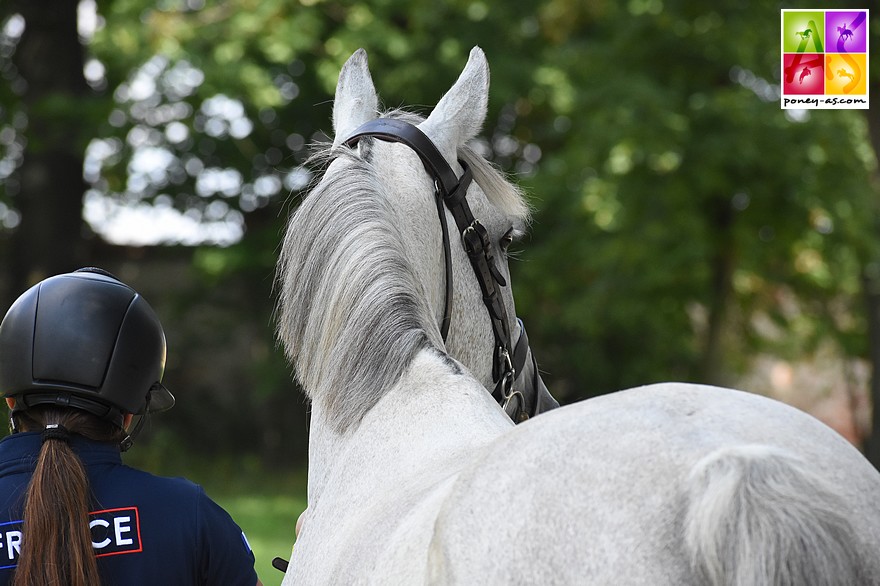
[393,130]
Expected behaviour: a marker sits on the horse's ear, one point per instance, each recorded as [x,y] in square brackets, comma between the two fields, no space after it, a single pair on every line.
[356,101]
[459,115]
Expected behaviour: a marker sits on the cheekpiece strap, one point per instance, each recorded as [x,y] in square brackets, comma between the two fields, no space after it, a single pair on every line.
[56,431]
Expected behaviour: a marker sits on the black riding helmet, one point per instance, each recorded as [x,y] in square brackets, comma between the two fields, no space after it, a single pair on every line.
[85,340]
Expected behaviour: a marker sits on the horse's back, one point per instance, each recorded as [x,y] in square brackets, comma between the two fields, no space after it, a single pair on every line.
[620,490]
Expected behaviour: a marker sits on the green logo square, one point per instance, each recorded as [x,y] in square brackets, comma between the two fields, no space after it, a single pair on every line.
[802,31]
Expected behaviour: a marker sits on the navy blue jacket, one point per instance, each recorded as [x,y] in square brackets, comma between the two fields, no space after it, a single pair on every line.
[146,530]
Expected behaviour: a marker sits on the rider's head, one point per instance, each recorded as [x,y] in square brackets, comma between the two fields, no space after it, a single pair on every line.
[84,340]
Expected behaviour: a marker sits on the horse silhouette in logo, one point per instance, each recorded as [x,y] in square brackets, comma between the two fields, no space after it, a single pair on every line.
[844,34]
[804,34]
[845,73]
[804,73]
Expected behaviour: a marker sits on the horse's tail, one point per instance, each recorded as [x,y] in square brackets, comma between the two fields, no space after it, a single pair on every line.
[757,515]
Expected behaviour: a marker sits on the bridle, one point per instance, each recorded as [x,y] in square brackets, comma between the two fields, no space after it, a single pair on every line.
[451,191]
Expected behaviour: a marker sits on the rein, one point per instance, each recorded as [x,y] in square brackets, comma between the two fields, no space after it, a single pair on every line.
[451,191]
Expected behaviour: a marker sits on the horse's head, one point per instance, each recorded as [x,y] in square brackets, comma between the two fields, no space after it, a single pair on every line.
[456,119]
[411,168]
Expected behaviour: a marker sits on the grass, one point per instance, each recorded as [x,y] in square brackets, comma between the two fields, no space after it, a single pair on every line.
[268,518]
[265,503]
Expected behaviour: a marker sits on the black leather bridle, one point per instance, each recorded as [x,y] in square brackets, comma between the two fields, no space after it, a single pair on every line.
[451,191]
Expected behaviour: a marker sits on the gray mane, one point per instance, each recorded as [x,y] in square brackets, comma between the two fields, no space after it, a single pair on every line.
[352,316]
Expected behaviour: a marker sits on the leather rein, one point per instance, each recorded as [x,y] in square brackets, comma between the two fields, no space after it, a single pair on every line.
[450,192]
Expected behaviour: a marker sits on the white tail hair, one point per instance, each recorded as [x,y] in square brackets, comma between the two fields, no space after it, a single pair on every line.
[757,515]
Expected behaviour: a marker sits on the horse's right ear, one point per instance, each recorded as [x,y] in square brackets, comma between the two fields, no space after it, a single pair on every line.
[356,101]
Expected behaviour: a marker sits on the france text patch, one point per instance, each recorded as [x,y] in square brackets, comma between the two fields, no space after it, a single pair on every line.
[10,544]
[114,532]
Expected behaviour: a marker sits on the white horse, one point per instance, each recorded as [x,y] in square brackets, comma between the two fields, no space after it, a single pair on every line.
[416,475]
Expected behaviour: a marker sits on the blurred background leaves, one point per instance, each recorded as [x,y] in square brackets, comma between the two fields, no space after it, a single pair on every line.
[685,226]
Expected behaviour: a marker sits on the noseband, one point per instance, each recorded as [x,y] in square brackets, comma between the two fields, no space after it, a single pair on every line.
[451,191]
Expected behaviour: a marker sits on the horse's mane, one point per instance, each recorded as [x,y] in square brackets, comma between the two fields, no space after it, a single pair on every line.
[352,317]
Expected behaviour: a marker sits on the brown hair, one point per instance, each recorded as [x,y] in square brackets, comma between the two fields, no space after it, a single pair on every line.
[56,545]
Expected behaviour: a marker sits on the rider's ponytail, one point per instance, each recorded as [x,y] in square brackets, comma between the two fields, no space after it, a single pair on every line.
[56,544]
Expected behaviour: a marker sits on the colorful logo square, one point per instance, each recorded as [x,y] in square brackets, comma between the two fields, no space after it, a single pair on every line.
[803,73]
[803,31]
[824,59]
[846,74]
[846,31]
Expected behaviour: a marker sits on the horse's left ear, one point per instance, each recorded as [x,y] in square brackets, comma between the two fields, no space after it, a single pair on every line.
[356,101]
[460,114]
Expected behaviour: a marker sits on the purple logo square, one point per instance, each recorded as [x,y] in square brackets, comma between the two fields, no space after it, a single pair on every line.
[846,31]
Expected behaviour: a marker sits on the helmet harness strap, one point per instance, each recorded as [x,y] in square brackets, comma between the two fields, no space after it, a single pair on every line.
[126,443]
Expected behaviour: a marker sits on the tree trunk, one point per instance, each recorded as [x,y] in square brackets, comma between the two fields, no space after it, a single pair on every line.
[871,286]
[50,58]
[721,218]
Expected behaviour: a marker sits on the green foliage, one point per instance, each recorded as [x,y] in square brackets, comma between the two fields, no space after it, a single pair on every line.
[680,194]
[683,221]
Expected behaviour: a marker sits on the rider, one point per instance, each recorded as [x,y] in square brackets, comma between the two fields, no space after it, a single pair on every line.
[80,354]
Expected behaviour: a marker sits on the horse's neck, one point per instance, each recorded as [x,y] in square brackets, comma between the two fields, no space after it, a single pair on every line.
[422,429]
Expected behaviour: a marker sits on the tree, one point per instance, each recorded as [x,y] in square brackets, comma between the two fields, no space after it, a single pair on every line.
[871,283]
[48,103]
[683,221]
[700,208]
[208,110]
[697,203]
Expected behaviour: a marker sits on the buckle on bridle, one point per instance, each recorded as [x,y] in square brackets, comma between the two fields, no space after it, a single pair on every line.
[475,238]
